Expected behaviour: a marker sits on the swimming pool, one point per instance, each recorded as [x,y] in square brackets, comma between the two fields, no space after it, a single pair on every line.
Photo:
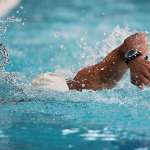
[63,37]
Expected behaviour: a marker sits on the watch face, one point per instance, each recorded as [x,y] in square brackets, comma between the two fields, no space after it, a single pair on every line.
[131,53]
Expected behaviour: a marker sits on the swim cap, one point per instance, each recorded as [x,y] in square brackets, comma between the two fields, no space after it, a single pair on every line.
[50,80]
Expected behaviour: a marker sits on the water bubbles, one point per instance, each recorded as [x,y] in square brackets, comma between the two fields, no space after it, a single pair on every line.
[62,47]
[9,19]
[79,44]
[17,11]
[3,56]
[146,32]
[18,19]
[102,68]
[70,145]
[52,57]
[5,30]
[83,85]
[82,39]
[56,35]
[23,23]
[21,7]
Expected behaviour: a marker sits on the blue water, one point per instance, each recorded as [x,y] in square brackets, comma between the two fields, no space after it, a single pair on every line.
[63,37]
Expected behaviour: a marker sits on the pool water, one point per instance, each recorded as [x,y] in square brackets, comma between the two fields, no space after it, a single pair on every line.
[64,37]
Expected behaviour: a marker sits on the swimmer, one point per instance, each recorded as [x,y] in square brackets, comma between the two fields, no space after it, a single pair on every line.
[132,54]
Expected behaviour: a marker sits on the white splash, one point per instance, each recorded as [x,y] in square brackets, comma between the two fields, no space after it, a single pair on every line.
[69,131]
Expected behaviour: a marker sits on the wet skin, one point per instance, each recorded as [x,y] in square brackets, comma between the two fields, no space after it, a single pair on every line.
[107,73]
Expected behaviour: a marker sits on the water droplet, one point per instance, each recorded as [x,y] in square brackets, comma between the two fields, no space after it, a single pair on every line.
[56,36]
[104,33]
[70,145]
[21,7]
[83,85]
[113,62]
[82,39]
[62,47]
[146,32]
[102,68]
[4,37]
[5,30]
[17,11]
[23,23]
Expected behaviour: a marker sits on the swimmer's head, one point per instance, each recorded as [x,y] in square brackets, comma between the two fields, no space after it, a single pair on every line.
[51,81]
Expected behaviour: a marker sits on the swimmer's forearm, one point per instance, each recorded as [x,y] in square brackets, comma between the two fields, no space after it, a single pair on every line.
[114,68]
[114,64]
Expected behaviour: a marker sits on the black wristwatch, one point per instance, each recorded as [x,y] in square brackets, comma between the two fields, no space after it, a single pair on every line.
[132,54]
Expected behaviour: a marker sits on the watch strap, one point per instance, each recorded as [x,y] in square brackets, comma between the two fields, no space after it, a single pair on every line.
[127,59]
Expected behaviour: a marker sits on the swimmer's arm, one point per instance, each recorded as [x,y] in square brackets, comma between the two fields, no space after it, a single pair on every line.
[115,67]
[107,73]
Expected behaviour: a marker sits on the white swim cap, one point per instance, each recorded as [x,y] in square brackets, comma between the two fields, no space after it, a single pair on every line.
[50,80]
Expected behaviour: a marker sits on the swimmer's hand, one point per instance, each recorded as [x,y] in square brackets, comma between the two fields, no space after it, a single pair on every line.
[140,72]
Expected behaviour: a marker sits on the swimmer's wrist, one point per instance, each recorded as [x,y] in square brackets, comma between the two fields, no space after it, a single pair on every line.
[137,60]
